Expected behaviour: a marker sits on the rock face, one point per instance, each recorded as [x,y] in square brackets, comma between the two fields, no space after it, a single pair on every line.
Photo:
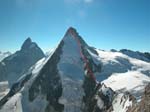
[15,65]
[99,100]
[49,83]
[144,104]
[104,99]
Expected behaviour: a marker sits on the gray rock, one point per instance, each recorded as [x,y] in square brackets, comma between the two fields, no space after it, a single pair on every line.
[15,65]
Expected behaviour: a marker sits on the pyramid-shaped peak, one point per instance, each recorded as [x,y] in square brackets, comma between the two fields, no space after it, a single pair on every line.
[28,40]
[27,43]
[73,35]
[72,31]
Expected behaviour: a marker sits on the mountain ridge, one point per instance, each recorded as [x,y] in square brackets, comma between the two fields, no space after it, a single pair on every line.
[28,55]
[63,82]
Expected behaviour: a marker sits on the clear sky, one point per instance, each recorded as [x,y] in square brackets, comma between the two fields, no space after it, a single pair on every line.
[105,24]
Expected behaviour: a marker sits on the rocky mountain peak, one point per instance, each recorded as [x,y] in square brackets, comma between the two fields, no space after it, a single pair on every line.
[71,32]
[27,43]
[29,54]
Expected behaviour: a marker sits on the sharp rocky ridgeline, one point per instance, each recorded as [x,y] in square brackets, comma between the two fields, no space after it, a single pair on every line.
[68,81]
[15,65]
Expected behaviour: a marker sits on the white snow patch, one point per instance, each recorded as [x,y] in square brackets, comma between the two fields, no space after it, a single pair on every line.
[117,62]
[95,57]
[4,89]
[100,102]
[13,104]
[121,103]
[132,81]
[108,56]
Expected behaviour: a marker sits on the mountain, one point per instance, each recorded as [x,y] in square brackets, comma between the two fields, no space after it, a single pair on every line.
[4,55]
[136,54]
[122,72]
[111,60]
[56,81]
[13,66]
[104,99]
[77,78]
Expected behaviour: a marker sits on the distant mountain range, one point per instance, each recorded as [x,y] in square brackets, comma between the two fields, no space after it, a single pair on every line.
[75,77]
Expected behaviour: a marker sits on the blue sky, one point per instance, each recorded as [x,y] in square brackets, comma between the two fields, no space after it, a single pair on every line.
[105,24]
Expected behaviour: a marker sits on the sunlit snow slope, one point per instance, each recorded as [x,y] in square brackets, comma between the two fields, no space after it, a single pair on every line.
[124,73]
